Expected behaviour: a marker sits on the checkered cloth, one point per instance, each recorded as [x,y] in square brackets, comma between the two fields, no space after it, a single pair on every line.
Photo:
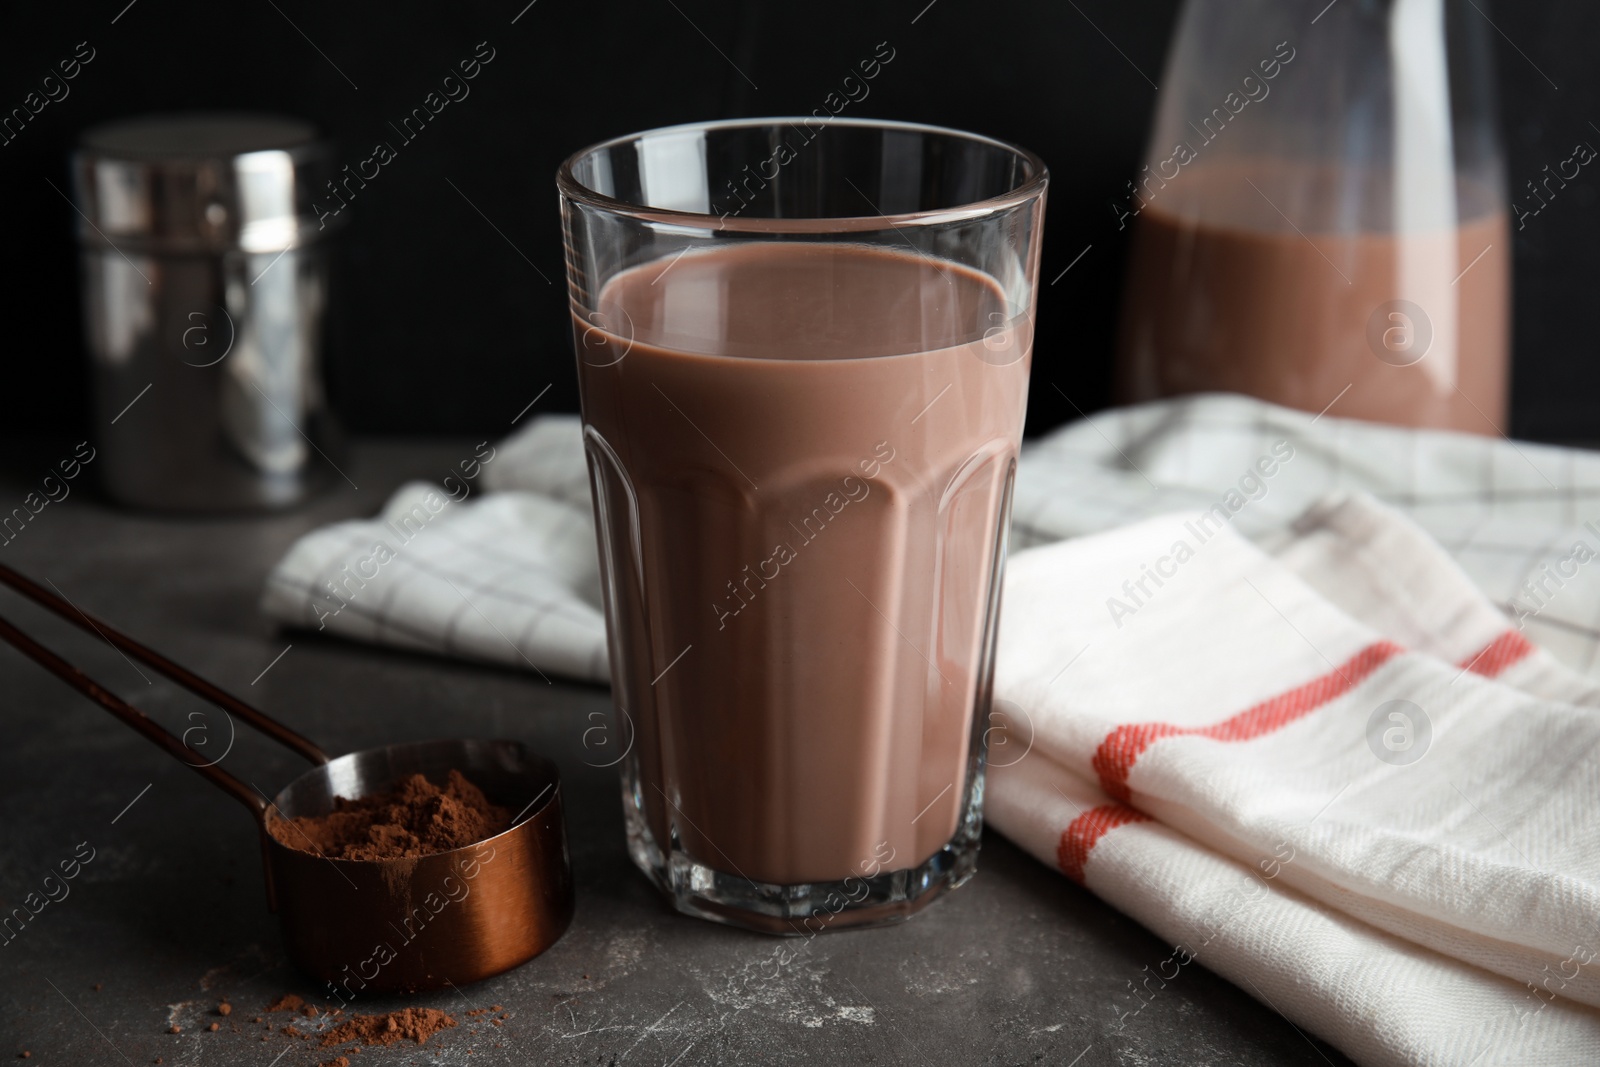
[502,577]
[511,579]
[1509,512]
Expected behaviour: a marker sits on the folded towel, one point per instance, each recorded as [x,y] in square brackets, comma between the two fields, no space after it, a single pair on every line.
[1229,709]
[1382,1000]
[508,577]
[1273,718]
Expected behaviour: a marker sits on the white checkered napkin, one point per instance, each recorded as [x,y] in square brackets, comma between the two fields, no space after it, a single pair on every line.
[1522,520]
[545,457]
[510,578]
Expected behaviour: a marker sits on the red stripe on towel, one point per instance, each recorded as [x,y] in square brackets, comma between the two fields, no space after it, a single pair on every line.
[1081,834]
[1114,759]
[1509,648]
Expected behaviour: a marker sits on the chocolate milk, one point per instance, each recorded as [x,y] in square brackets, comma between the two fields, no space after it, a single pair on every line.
[802,458]
[1225,294]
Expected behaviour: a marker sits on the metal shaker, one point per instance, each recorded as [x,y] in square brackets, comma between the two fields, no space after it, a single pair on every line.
[205,279]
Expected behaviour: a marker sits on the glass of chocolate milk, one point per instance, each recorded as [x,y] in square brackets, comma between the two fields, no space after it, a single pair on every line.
[1322,217]
[803,349]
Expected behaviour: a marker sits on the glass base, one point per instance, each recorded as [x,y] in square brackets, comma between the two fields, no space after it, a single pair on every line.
[809,908]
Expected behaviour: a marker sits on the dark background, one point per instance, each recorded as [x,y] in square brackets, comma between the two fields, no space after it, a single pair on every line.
[446,328]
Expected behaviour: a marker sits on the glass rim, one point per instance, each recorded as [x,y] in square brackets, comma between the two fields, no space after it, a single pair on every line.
[1037,178]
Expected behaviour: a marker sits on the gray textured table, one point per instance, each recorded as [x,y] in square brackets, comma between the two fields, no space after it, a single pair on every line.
[1019,966]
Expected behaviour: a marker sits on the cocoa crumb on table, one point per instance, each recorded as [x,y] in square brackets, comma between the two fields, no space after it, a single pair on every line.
[408,1024]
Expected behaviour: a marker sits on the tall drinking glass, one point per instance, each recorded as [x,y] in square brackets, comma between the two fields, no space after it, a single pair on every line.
[803,351]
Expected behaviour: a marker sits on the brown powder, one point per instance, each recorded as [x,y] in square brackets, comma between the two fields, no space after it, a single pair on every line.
[287,1002]
[408,1024]
[340,1061]
[417,818]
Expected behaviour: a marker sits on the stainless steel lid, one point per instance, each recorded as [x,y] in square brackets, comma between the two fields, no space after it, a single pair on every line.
[203,182]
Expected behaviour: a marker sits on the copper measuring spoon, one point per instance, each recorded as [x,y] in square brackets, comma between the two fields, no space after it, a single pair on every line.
[372,926]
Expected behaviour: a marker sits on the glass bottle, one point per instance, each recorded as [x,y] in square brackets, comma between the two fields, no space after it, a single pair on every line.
[1321,220]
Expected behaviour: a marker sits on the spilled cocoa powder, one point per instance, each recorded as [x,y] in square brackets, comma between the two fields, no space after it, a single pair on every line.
[408,1024]
[388,1028]
[416,818]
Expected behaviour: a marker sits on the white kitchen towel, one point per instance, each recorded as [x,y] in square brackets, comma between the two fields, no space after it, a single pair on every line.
[1382,1000]
[1522,520]
[508,577]
[1418,793]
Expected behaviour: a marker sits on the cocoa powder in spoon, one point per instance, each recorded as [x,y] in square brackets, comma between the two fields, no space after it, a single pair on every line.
[416,818]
